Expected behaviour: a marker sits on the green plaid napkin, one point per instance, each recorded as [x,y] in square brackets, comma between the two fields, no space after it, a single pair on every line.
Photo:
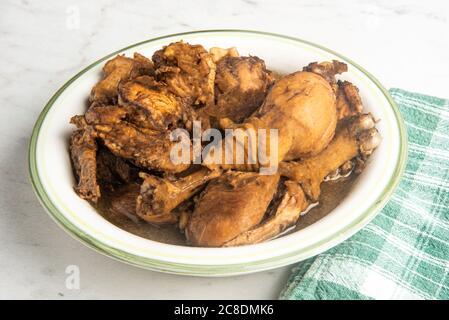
[404,252]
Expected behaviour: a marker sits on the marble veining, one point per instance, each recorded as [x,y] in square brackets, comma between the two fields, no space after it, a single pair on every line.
[404,43]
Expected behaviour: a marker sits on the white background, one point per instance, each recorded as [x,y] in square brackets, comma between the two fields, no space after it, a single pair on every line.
[404,44]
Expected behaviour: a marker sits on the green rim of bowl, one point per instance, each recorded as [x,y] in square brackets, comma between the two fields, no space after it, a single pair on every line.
[216,270]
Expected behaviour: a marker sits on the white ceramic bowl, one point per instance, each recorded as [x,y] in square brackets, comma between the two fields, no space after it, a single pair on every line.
[53,181]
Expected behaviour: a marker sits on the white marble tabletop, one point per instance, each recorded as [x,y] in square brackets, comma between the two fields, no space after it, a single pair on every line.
[404,43]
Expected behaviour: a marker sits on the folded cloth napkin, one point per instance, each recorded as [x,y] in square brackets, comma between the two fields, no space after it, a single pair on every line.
[404,252]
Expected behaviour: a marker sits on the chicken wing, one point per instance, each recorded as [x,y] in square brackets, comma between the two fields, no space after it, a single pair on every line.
[159,196]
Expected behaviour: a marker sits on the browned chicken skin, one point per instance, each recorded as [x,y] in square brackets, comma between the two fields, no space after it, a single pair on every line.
[144,147]
[230,205]
[308,105]
[349,102]
[301,106]
[134,107]
[298,196]
[149,104]
[104,114]
[83,151]
[159,196]
[188,70]
[241,84]
[355,137]
[219,53]
[137,128]
[287,212]
[327,69]
[117,70]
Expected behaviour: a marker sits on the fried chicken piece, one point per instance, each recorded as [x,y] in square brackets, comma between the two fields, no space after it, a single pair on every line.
[159,196]
[355,137]
[292,203]
[241,84]
[349,102]
[143,147]
[230,205]
[145,103]
[149,104]
[83,150]
[116,70]
[188,70]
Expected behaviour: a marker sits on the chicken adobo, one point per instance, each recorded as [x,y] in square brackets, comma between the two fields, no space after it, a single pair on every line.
[129,163]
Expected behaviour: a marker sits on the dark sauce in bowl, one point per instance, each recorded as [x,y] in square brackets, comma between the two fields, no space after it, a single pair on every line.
[332,193]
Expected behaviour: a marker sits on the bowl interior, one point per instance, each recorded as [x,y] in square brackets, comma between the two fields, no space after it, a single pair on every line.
[53,179]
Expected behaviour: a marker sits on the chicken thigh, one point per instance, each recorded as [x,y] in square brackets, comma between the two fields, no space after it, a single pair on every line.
[230,205]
